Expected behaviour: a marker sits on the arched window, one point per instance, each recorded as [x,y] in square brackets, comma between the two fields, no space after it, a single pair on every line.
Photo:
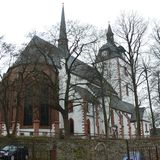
[88,126]
[44,115]
[71,126]
[44,105]
[28,113]
[38,100]
[127,90]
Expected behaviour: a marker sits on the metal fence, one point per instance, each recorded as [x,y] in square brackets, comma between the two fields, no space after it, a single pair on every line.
[149,152]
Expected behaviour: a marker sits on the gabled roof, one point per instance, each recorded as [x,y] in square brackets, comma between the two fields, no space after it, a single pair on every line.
[83,70]
[108,90]
[40,51]
[118,104]
[123,106]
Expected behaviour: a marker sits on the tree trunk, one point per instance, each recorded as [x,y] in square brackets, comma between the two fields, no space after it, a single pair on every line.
[150,104]
[137,115]
[105,118]
[138,129]
[66,125]
[158,86]
[104,109]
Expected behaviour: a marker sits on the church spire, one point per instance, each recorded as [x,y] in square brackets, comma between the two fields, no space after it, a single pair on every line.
[110,35]
[63,41]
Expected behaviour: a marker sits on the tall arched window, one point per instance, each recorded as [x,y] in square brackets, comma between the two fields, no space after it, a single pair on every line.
[88,126]
[44,115]
[44,105]
[28,113]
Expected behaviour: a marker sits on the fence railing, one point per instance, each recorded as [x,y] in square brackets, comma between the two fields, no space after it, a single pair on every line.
[149,152]
[60,134]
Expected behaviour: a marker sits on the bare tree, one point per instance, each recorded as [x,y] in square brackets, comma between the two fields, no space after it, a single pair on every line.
[155,84]
[147,75]
[26,81]
[7,56]
[76,42]
[106,93]
[131,29]
[155,49]
[27,69]
[102,75]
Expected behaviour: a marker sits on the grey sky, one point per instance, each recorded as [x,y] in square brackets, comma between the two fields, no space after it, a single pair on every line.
[18,17]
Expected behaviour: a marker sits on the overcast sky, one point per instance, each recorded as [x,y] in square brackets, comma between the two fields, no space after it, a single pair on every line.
[18,17]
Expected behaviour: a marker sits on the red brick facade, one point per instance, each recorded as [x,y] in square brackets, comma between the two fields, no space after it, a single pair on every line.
[16,96]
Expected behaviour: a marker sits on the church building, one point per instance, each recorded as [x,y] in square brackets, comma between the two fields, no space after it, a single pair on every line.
[35,89]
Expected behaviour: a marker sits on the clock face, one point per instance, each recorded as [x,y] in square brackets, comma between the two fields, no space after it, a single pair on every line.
[104,53]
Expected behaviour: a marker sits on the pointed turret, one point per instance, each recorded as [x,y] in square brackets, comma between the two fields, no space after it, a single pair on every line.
[110,35]
[63,41]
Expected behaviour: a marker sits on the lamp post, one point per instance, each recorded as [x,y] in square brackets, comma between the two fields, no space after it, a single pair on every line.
[115,131]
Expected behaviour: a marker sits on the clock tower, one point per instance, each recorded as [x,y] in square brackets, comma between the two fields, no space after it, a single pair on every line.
[110,62]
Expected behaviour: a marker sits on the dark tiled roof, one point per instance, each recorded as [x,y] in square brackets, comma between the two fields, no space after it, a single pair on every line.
[89,73]
[40,51]
[111,48]
[85,71]
[123,106]
[113,51]
[85,94]
[116,103]
[108,90]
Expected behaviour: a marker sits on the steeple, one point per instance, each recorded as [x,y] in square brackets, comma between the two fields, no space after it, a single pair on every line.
[110,35]
[63,41]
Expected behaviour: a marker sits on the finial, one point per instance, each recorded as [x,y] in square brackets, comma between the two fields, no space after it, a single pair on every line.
[110,34]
